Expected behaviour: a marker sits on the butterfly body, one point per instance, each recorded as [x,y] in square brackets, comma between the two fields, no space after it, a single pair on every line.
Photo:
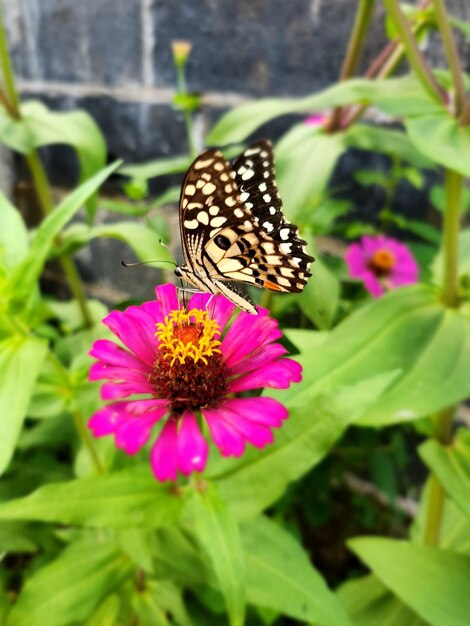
[233,229]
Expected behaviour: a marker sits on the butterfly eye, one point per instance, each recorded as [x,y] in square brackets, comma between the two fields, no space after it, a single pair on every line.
[178,271]
[223,242]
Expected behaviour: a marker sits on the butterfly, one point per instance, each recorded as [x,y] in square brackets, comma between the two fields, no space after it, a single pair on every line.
[233,229]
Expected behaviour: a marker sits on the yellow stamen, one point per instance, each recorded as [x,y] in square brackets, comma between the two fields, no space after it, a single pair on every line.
[188,335]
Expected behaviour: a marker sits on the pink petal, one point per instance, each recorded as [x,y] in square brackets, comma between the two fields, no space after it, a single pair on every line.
[134,432]
[167,298]
[265,411]
[112,354]
[106,420]
[129,330]
[191,446]
[263,356]
[277,375]
[163,455]
[256,434]
[100,371]
[246,334]
[227,439]
[356,260]
[111,391]
[372,285]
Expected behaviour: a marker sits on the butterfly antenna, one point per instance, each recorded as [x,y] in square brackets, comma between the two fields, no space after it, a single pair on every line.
[135,264]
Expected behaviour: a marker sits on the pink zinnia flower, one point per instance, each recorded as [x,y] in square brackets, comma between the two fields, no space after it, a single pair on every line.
[185,369]
[317,119]
[381,263]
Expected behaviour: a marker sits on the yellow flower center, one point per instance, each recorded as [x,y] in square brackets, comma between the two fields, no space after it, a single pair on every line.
[188,335]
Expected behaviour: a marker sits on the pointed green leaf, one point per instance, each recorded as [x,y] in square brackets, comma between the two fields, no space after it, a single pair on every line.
[433,582]
[28,271]
[451,464]
[70,588]
[376,338]
[441,138]
[13,234]
[280,577]
[219,535]
[125,499]
[368,603]
[397,96]
[256,480]
[74,128]
[20,362]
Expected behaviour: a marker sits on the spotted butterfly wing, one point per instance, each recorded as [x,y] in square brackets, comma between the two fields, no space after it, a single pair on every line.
[232,228]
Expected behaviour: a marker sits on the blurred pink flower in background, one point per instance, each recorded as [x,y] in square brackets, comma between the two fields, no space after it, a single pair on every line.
[382,263]
[183,366]
[317,119]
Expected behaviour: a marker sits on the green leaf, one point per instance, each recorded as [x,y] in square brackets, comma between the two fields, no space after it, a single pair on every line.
[441,138]
[280,577]
[159,167]
[70,588]
[451,464]
[15,133]
[14,538]
[28,271]
[219,535]
[256,480]
[433,582]
[125,499]
[305,159]
[20,362]
[74,128]
[142,239]
[13,234]
[386,141]
[305,340]
[107,613]
[320,298]
[376,338]
[397,96]
[368,603]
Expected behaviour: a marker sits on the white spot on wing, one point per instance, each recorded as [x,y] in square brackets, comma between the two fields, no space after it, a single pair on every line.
[284,233]
[268,226]
[218,221]
[203,217]
[191,224]
[248,174]
[189,190]
[208,189]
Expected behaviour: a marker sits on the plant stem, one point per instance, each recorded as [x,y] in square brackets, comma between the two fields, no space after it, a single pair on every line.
[453,192]
[451,53]
[355,45]
[436,496]
[41,184]
[442,422]
[415,57]
[87,441]
[7,71]
[188,117]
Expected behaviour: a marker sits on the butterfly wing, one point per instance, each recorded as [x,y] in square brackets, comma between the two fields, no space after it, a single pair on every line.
[232,226]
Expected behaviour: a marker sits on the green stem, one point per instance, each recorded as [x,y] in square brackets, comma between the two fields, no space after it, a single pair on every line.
[415,58]
[442,422]
[353,53]
[436,495]
[41,184]
[188,118]
[451,53]
[7,72]
[87,441]
[453,192]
